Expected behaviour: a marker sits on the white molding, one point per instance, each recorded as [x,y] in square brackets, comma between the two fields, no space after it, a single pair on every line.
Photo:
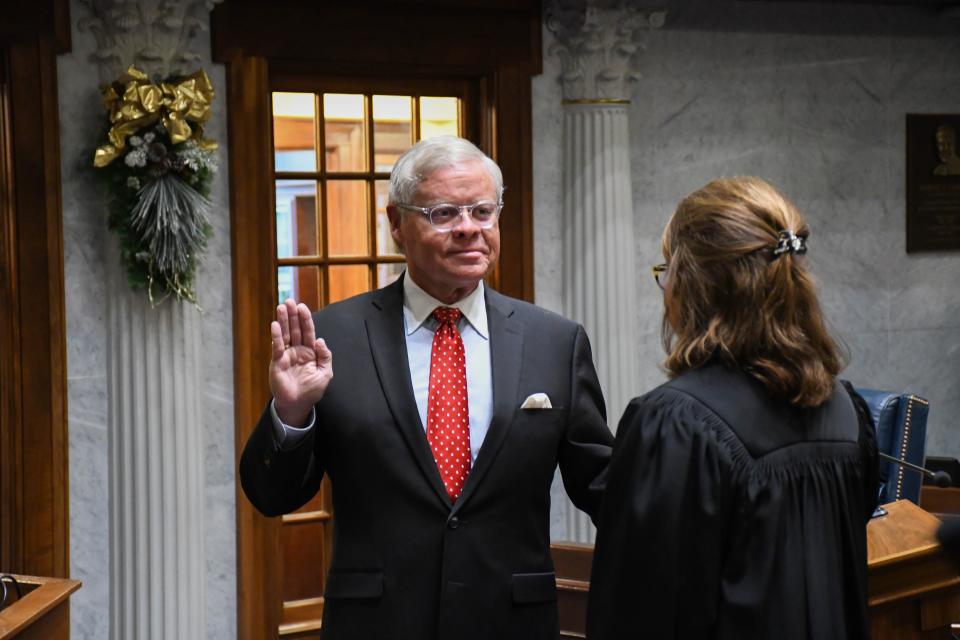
[154,426]
[599,257]
[599,46]
[152,34]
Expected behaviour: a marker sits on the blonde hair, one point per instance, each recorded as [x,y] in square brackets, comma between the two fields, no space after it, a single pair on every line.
[728,295]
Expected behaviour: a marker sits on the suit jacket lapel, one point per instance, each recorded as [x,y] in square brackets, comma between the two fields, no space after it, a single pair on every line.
[389,347]
[506,354]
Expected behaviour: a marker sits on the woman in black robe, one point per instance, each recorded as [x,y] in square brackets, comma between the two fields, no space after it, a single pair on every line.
[739,491]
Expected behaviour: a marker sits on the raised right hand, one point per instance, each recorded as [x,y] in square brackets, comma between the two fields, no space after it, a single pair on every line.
[301,366]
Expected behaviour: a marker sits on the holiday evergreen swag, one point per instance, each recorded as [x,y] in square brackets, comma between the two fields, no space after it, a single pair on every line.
[158,169]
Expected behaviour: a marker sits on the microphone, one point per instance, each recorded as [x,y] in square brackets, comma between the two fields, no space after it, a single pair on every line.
[940,478]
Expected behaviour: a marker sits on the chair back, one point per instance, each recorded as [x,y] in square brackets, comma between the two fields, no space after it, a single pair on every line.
[901,423]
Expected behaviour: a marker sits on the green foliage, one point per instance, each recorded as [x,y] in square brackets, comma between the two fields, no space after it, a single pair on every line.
[152,157]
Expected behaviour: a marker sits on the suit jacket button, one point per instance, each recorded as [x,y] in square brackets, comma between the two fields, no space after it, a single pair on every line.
[266,461]
[453,522]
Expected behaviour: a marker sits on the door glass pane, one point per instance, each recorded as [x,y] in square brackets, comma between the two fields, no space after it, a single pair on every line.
[439,117]
[347,218]
[344,139]
[300,283]
[297,228]
[294,132]
[348,280]
[392,129]
[354,125]
[385,244]
[387,273]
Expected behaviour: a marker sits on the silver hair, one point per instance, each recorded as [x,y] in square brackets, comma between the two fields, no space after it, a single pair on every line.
[425,157]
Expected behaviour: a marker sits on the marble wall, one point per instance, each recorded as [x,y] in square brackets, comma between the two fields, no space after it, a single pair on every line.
[86,274]
[820,113]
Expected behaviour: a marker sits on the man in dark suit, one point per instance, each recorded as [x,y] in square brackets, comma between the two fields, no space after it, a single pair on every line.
[451,408]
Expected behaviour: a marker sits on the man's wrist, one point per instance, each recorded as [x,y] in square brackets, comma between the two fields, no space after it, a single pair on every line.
[287,436]
[292,415]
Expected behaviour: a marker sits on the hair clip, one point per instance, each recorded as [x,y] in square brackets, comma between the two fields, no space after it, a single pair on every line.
[789,242]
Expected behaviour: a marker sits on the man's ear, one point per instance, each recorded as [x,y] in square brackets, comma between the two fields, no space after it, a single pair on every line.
[395,219]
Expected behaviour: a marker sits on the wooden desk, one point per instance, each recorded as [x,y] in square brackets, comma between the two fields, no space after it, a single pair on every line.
[942,502]
[913,591]
[43,613]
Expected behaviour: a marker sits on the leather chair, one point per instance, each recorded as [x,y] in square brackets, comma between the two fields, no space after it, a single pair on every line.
[901,423]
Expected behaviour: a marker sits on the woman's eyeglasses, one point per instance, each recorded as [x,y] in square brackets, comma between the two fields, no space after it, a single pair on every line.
[660,274]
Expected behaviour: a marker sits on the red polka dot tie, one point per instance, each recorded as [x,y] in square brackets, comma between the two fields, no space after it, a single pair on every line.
[448,423]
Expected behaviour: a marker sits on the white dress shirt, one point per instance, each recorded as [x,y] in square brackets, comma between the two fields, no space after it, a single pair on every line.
[419,328]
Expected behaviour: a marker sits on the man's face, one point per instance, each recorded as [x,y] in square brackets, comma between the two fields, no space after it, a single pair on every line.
[443,262]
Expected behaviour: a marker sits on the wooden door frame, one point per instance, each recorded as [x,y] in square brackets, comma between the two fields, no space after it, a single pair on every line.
[302,614]
[427,38]
[34,481]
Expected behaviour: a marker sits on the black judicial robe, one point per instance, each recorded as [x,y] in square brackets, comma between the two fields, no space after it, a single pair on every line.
[732,515]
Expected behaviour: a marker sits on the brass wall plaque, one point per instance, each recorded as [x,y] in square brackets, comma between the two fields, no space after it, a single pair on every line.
[933,182]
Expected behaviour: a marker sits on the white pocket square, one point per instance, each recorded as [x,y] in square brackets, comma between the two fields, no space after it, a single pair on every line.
[537,401]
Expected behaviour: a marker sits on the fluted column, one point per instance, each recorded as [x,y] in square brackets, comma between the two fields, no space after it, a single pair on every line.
[157,560]
[597,47]
[156,474]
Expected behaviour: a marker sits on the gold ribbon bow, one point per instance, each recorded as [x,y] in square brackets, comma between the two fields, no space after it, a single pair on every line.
[135,103]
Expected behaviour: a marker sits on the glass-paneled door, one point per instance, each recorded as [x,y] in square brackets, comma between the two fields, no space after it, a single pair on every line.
[333,235]
[333,153]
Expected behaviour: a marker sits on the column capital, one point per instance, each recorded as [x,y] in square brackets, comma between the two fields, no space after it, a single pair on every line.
[599,44]
[152,35]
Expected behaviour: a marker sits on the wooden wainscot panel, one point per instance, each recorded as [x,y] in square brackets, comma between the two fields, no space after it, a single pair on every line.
[913,590]
[944,502]
[572,562]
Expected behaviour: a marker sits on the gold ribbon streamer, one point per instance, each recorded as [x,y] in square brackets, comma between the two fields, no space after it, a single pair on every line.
[135,103]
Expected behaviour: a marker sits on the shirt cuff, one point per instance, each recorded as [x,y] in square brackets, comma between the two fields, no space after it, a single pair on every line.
[288,437]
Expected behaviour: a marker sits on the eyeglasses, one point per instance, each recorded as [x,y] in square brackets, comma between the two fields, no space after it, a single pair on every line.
[660,274]
[446,217]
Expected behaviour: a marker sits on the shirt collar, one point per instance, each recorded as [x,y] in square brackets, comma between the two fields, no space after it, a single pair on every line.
[418,305]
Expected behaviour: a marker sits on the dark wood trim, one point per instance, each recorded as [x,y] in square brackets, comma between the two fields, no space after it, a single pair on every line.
[10,448]
[251,153]
[35,487]
[286,45]
[22,21]
[286,75]
[355,36]
[512,134]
